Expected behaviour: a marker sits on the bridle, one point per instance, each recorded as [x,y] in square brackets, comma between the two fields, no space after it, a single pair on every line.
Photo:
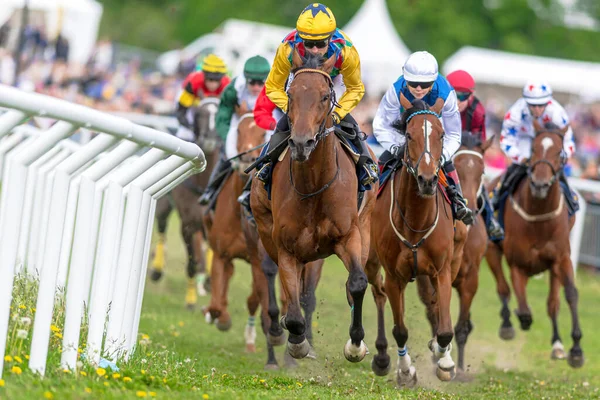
[478,155]
[555,172]
[413,170]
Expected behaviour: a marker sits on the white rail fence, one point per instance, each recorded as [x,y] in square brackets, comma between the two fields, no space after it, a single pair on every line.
[80,217]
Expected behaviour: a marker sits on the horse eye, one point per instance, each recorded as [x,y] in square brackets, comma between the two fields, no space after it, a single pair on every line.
[325,98]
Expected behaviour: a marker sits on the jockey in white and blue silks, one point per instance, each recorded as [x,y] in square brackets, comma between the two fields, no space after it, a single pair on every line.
[518,133]
[420,80]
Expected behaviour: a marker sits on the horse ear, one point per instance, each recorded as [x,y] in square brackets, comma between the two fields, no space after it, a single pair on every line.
[329,63]
[297,60]
[537,126]
[437,107]
[404,102]
[488,143]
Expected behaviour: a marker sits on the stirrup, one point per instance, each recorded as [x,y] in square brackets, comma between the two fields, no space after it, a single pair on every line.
[244,199]
[372,174]
[264,173]
[495,231]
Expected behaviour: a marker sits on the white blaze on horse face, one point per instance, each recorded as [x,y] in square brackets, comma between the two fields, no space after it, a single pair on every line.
[212,110]
[470,164]
[547,143]
[427,128]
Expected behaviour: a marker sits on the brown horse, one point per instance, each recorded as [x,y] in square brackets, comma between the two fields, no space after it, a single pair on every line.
[313,210]
[468,161]
[185,200]
[537,229]
[413,235]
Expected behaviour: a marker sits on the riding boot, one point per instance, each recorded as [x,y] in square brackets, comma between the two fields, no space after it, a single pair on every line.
[493,227]
[216,177]
[365,161]
[275,148]
[463,212]
[570,196]
[244,198]
[512,177]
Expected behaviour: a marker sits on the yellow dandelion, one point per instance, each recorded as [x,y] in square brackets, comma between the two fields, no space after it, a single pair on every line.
[48,395]
[67,371]
[116,376]
[18,359]
[127,379]
[141,393]
[223,376]
[152,394]
[143,372]
[8,358]
[22,307]
[83,373]
[175,333]
[262,381]
[181,323]
[88,390]
[27,356]
[164,380]
[1,382]
[106,384]
[205,376]
[205,396]
[101,371]
[79,351]
[58,335]
[299,384]
[145,337]
[54,328]
[16,370]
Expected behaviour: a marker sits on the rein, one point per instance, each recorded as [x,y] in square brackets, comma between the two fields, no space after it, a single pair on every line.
[428,231]
[304,196]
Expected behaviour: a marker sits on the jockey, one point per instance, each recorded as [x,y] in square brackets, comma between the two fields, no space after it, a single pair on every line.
[472,114]
[316,32]
[210,81]
[237,99]
[420,80]
[518,132]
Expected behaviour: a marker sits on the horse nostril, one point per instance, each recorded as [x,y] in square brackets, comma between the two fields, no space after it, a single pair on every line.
[291,143]
[310,143]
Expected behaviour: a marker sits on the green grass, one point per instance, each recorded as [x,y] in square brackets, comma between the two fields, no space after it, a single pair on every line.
[183,357]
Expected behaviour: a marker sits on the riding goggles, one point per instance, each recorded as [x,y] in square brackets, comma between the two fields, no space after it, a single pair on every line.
[424,85]
[256,82]
[319,44]
[462,96]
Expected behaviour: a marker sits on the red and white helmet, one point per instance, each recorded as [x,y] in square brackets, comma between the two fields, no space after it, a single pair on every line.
[537,92]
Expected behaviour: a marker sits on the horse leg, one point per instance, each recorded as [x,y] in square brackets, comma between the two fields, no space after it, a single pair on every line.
[381,361]
[200,263]
[575,359]
[275,336]
[558,350]
[223,323]
[191,297]
[494,259]
[519,280]
[350,253]
[293,321]
[428,297]
[217,276]
[163,210]
[308,300]
[466,291]
[442,346]
[406,375]
[252,302]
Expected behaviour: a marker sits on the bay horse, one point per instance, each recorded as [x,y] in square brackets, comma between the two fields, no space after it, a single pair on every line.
[537,227]
[313,210]
[413,235]
[185,199]
[468,161]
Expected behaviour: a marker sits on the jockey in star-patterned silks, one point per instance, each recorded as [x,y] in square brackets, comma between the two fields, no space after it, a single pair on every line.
[420,80]
[316,33]
[518,133]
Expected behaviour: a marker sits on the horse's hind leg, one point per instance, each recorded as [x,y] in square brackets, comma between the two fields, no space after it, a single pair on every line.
[575,358]
[442,347]
[252,302]
[308,299]
[466,290]
[493,256]
[350,253]
[163,210]
[191,297]
[381,361]
[275,336]
[523,312]
[558,350]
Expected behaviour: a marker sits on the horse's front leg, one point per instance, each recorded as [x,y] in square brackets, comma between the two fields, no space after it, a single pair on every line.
[442,346]
[576,359]
[381,361]
[350,253]
[293,321]
[493,256]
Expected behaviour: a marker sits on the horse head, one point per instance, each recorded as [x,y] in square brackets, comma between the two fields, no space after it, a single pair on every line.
[547,160]
[424,133]
[250,137]
[468,161]
[310,102]
[204,124]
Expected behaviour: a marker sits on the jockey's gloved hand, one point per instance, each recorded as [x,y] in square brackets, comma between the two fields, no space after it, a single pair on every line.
[335,118]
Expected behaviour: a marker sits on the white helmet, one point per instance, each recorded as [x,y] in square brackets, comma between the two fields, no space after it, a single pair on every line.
[420,66]
[537,92]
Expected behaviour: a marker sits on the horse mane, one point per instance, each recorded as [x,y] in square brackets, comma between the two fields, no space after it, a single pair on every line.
[311,61]
[471,140]
[417,105]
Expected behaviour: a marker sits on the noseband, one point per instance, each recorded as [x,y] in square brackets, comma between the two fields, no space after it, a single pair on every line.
[413,170]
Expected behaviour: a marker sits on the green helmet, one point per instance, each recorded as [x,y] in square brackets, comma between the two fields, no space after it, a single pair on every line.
[256,68]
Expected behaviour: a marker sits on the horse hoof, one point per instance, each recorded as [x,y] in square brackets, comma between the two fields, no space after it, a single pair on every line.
[190,306]
[156,275]
[355,354]
[558,351]
[271,367]
[381,365]
[576,359]
[276,340]
[207,317]
[312,354]
[407,379]
[223,326]
[445,374]
[507,333]
[299,350]
[526,320]
[250,348]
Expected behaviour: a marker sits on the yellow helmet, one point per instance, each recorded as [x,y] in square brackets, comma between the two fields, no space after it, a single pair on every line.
[316,22]
[214,64]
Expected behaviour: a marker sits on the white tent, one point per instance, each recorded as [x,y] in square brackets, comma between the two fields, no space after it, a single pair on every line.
[78,20]
[382,52]
[513,70]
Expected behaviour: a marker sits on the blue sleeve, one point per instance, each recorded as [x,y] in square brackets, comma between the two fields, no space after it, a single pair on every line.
[443,87]
[398,85]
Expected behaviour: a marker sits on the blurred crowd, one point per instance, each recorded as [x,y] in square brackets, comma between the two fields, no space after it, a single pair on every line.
[108,85]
